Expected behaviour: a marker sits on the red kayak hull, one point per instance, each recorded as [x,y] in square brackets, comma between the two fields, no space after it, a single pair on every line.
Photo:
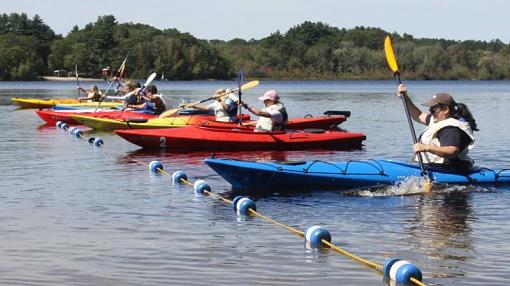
[51,116]
[320,122]
[200,138]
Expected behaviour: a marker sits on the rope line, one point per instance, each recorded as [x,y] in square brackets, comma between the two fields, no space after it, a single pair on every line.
[266,218]
[368,263]
[417,282]
[295,231]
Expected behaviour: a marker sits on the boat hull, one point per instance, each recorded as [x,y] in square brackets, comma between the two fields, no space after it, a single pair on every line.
[41,103]
[110,124]
[322,122]
[59,103]
[339,175]
[199,138]
[52,116]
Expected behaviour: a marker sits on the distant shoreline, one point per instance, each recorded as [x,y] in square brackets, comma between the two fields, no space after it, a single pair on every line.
[69,78]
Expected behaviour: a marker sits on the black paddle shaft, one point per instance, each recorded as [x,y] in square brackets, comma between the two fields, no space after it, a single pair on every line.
[240,79]
[411,126]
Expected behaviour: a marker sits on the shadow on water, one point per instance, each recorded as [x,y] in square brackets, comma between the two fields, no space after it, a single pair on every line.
[195,158]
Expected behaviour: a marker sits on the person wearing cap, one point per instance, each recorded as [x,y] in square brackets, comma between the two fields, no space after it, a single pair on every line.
[448,137]
[153,104]
[224,107]
[273,116]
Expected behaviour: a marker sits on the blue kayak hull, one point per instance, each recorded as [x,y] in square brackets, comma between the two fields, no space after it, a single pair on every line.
[340,175]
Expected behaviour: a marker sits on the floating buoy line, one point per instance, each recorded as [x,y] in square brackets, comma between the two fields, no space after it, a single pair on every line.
[396,270]
[78,134]
[316,237]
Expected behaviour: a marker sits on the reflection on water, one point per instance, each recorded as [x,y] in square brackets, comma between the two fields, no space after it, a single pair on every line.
[442,230]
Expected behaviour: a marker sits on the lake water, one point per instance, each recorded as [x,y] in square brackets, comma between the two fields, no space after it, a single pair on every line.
[72,214]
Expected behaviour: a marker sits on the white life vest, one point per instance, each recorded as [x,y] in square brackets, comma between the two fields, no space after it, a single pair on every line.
[266,124]
[429,136]
[220,113]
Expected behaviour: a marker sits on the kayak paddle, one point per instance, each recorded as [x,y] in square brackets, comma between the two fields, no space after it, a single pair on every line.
[120,74]
[240,79]
[392,63]
[77,78]
[147,82]
[245,86]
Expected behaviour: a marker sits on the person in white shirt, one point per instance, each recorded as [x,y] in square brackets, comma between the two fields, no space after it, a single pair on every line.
[273,116]
[225,107]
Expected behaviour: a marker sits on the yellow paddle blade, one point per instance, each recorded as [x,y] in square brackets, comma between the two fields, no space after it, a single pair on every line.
[390,55]
[428,185]
[170,112]
[245,86]
[250,84]
[121,69]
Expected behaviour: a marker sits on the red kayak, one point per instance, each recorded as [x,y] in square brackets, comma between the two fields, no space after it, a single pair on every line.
[321,122]
[198,138]
[52,116]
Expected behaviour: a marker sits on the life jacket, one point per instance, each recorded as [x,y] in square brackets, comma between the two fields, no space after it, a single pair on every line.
[228,115]
[429,136]
[134,99]
[97,97]
[281,125]
[271,123]
[157,107]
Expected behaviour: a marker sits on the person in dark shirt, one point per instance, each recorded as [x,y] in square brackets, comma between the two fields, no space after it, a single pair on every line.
[448,137]
[154,103]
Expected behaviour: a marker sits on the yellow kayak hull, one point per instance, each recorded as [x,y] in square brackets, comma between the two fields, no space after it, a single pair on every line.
[42,103]
[108,124]
[47,103]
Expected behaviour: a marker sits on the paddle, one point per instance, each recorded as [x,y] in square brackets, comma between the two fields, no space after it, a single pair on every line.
[240,79]
[392,63]
[120,74]
[77,78]
[245,86]
[147,82]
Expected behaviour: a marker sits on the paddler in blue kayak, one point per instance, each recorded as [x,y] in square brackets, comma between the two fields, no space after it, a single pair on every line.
[273,116]
[448,137]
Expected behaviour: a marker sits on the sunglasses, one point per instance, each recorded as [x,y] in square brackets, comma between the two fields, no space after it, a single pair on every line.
[435,108]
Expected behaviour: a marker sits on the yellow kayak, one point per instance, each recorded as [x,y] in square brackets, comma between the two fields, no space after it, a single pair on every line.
[109,124]
[65,102]
[42,103]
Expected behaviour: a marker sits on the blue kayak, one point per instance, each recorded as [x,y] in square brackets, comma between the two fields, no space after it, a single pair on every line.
[341,175]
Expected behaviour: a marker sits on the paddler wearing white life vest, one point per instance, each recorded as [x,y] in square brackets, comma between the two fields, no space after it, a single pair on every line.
[448,137]
[273,116]
[225,107]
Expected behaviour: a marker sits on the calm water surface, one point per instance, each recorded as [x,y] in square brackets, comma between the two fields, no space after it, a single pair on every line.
[72,214]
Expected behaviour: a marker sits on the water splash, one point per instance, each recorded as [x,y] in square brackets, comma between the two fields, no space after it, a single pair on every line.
[414,186]
[409,186]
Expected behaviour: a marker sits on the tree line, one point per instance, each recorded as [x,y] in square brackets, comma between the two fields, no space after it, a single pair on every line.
[30,49]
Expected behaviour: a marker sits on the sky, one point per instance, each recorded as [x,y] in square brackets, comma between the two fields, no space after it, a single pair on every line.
[229,19]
